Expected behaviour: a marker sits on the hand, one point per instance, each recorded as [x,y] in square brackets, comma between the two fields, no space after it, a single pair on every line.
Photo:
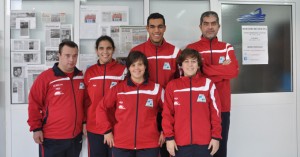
[214,144]
[227,62]
[161,140]
[38,137]
[171,147]
[84,129]
[109,139]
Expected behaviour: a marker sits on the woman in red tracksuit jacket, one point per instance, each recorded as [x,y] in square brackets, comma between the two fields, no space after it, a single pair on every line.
[98,78]
[137,101]
[191,114]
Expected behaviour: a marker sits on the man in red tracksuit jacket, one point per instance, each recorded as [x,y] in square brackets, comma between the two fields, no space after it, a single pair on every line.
[220,65]
[56,106]
[161,56]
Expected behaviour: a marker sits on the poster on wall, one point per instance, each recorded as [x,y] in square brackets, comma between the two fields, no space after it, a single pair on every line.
[53,17]
[127,37]
[26,57]
[51,56]
[55,33]
[95,20]
[131,36]
[52,34]
[66,32]
[16,16]
[18,71]
[25,44]
[32,73]
[255,44]
[17,95]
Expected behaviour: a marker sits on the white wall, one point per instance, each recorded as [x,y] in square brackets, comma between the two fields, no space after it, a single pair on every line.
[2,97]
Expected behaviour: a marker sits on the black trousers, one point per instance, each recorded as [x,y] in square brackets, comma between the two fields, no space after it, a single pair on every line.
[61,147]
[148,152]
[193,151]
[96,146]
[222,152]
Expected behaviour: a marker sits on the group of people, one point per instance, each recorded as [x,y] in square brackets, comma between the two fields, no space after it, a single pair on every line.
[164,102]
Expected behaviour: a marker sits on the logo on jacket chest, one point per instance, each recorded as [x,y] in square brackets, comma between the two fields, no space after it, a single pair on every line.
[221,59]
[58,89]
[201,98]
[112,84]
[81,85]
[120,105]
[176,101]
[167,66]
[149,103]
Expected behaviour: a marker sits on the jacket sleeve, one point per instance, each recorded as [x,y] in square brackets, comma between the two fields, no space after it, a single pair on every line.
[215,110]
[86,103]
[161,95]
[106,104]
[87,100]
[219,72]
[36,104]
[168,113]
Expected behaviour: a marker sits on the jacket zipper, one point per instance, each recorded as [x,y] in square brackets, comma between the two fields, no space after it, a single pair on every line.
[104,80]
[191,109]
[156,65]
[211,57]
[75,106]
[136,116]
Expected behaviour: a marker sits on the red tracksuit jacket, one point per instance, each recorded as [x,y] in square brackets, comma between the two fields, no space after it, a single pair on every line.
[191,113]
[213,54]
[136,111]
[56,104]
[162,61]
[98,79]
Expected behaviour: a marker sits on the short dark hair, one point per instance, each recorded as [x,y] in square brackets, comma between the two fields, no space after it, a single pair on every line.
[105,38]
[135,56]
[189,53]
[155,16]
[207,14]
[67,43]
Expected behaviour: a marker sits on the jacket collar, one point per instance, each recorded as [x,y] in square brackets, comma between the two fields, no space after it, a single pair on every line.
[130,82]
[152,45]
[113,62]
[214,40]
[198,75]
[58,72]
